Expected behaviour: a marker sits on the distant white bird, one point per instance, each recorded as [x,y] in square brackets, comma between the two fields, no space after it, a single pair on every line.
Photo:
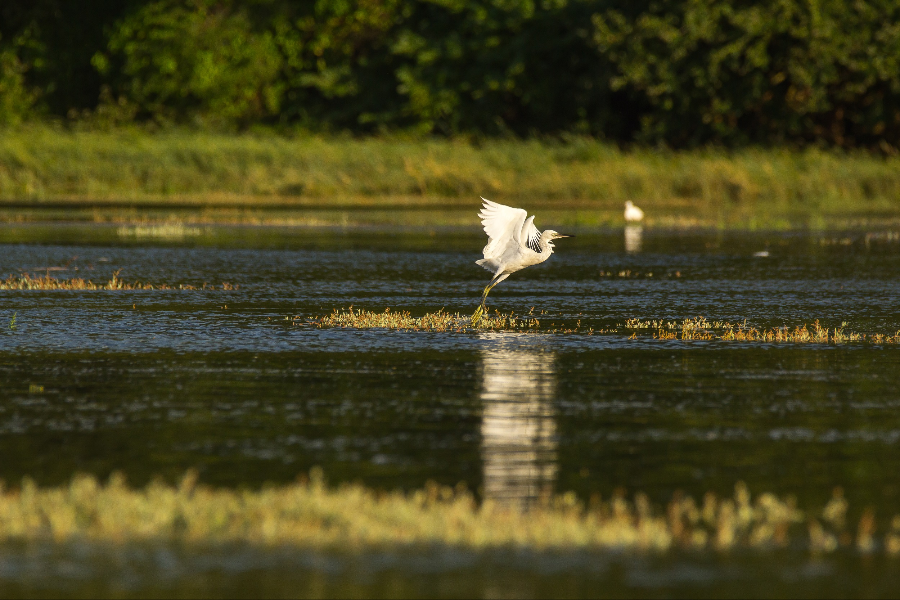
[513,244]
[632,212]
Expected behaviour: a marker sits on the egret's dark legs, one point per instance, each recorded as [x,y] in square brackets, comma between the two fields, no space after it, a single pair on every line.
[479,312]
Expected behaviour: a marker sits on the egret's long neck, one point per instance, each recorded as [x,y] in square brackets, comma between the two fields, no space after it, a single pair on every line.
[546,246]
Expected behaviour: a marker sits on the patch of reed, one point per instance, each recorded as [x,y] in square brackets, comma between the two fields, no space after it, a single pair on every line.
[309,514]
[700,328]
[591,179]
[48,282]
[440,321]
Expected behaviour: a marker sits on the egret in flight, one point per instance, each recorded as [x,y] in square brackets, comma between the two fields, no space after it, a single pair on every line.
[513,244]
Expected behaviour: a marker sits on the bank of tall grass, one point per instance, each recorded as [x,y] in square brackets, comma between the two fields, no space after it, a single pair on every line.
[311,515]
[40,163]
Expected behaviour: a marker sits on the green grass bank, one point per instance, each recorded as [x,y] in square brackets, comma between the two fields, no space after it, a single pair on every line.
[585,179]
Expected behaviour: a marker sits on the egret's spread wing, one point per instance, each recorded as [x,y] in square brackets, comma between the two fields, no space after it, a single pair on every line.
[503,226]
[499,220]
[530,237]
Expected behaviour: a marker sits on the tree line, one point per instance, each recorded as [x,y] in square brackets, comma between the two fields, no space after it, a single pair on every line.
[678,73]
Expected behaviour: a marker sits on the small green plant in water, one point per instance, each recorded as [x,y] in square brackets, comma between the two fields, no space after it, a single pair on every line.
[12,321]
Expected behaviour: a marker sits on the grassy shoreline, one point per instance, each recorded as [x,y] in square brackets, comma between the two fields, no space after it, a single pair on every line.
[585,179]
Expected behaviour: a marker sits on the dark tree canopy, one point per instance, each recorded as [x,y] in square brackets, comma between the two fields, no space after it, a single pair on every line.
[675,72]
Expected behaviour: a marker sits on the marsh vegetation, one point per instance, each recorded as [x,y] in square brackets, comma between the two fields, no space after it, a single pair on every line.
[309,514]
[588,180]
[699,328]
[440,321]
[690,329]
[27,281]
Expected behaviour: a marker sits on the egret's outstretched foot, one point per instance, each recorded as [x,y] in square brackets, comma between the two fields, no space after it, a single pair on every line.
[476,317]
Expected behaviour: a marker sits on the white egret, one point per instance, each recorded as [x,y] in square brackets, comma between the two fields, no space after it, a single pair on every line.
[513,244]
[633,214]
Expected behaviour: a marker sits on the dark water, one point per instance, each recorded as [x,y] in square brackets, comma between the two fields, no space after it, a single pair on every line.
[89,571]
[155,382]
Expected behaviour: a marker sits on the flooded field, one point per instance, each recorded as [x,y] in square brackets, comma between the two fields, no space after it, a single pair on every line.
[229,378]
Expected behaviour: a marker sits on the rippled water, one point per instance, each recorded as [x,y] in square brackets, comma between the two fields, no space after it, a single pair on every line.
[155,382]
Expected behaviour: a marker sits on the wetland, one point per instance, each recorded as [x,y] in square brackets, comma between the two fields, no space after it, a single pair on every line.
[221,361]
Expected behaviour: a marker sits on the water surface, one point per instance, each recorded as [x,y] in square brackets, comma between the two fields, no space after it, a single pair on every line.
[154,382]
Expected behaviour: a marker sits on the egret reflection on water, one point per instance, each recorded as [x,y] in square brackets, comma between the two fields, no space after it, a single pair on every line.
[518,425]
[634,238]
[513,244]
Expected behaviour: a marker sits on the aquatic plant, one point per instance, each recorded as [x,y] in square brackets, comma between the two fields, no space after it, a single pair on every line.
[436,321]
[48,282]
[699,328]
[312,515]
[12,321]
[696,328]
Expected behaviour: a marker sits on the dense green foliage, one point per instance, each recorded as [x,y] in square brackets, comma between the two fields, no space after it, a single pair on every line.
[676,72]
[769,70]
[178,61]
[16,100]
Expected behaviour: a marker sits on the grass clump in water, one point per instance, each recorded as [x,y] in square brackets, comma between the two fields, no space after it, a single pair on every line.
[699,328]
[48,282]
[309,514]
[440,321]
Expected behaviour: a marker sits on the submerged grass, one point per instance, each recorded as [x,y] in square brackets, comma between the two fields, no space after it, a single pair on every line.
[587,179]
[48,282]
[309,514]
